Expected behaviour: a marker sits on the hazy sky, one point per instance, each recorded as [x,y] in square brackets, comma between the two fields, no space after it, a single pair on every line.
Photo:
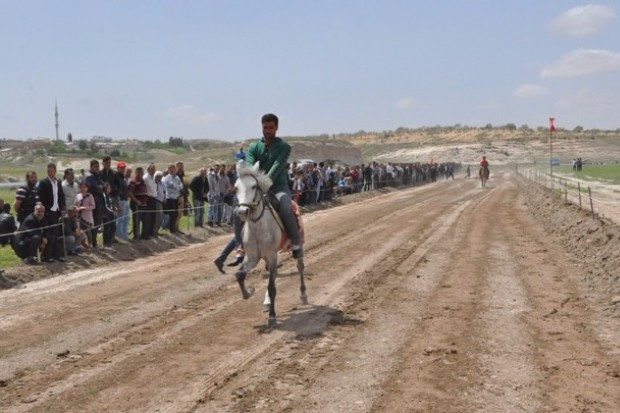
[210,69]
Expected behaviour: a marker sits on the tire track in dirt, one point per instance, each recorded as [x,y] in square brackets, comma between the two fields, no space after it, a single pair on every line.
[110,360]
[308,358]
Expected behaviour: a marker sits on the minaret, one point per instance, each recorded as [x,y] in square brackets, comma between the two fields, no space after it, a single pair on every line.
[56,113]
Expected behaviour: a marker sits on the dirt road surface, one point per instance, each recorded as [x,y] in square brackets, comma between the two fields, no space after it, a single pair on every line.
[440,298]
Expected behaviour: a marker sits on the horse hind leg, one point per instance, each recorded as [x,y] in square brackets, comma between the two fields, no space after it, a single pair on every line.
[302,288]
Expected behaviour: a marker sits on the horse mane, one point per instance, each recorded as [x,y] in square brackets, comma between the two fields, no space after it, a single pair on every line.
[243,169]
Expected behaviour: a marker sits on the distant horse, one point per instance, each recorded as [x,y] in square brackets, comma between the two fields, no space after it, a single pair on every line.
[262,233]
[484,175]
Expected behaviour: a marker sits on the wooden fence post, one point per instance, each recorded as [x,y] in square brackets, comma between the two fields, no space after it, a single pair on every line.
[579,190]
[591,204]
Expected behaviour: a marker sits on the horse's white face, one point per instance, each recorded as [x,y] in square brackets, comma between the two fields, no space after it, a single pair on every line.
[247,188]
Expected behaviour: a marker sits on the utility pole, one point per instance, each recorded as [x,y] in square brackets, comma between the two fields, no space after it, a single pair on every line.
[56,113]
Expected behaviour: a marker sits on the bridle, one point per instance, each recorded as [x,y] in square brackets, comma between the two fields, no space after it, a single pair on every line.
[259,198]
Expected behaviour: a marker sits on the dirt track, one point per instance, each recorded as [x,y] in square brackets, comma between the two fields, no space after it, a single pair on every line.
[442,298]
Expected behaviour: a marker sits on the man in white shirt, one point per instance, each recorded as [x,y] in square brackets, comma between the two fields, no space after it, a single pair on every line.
[173,186]
[151,189]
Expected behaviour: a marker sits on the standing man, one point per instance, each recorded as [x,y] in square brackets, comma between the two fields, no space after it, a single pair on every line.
[137,192]
[107,173]
[53,199]
[200,187]
[213,195]
[26,197]
[159,203]
[240,155]
[151,189]
[272,154]
[69,187]
[95,188]
[119,190]
[173,187]
[183,198]
[224,184]
[320,182]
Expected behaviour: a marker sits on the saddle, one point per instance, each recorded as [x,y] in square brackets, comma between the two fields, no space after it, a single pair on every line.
[285,244]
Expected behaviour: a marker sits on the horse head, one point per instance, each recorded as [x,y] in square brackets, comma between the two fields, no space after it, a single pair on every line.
[251,184]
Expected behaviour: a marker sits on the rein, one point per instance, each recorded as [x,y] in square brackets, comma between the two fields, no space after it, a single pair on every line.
[259,197]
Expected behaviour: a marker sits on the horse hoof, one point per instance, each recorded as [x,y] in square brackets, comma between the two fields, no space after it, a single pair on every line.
[266,307]
[271,322]
[248,293]
[304,299]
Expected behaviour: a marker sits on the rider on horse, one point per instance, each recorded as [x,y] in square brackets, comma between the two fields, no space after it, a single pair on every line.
[272,154]
[484,164]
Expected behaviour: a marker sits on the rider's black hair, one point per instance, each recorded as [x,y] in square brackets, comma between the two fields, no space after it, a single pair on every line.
[269,117]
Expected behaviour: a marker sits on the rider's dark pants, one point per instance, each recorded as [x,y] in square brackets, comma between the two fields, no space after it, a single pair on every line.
[286,213]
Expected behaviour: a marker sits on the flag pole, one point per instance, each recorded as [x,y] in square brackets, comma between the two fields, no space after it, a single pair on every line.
[551,129]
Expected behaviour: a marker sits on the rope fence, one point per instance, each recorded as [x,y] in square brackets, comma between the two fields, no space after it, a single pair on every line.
[191,210]
[571,190]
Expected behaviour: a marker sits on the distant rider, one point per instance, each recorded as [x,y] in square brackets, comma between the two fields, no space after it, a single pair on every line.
[484,164]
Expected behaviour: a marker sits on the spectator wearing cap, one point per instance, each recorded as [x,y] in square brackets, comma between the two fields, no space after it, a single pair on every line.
[119,189]
[69,187]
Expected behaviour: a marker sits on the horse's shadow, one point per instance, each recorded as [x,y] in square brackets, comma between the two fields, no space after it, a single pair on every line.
[309,322]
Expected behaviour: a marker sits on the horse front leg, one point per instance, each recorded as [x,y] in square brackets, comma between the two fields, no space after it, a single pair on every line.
[248,264]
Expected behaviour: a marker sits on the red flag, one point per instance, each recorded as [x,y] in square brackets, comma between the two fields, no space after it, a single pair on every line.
[551,125]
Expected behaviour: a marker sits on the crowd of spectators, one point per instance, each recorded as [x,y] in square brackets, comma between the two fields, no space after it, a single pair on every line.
[56,218]
[313,183]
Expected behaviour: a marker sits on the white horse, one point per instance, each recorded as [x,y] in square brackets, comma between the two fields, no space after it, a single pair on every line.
[262,233]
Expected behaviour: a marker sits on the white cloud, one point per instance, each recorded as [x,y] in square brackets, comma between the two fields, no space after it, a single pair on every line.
[405,103]
[188,113]
[584,20]
[530,91]
[582,62]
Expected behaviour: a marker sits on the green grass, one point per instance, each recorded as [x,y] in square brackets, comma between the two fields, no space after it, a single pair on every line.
[8,257]
[607,173]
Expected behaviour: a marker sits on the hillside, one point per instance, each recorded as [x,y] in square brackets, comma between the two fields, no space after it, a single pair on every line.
[438,144]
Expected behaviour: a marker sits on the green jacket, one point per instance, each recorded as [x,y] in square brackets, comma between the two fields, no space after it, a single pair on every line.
[273,161]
